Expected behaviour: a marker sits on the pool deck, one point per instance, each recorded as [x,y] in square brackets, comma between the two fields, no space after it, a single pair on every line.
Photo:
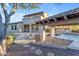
[30,49]
[74,45]
[42,49]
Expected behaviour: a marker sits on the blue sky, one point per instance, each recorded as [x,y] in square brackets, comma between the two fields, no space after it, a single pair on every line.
[50,8]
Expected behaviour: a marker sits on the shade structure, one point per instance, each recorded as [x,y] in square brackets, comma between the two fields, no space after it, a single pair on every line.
[65,18]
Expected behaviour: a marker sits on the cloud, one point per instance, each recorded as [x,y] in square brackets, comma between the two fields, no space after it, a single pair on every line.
[17,17]
[14,18]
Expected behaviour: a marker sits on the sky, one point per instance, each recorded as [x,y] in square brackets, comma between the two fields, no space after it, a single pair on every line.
[50,8]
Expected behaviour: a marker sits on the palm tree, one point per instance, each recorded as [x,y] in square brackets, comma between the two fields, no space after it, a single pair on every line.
[8,14]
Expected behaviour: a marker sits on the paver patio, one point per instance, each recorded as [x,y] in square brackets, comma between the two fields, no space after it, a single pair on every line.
[32,50]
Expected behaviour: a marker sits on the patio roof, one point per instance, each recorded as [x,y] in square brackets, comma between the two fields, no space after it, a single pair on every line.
[62,18]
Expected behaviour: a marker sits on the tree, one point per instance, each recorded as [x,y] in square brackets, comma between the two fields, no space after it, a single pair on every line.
[3,27]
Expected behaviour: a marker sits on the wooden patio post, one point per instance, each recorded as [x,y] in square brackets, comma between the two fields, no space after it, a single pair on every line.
[43,36]
[53,32]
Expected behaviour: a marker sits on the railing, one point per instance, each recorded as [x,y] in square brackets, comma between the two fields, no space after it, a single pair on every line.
[27,35]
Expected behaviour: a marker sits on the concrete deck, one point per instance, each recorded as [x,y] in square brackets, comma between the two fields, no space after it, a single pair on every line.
[32,50]
[74,45]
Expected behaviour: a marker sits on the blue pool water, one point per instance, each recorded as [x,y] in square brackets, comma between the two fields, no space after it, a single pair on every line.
[69,36]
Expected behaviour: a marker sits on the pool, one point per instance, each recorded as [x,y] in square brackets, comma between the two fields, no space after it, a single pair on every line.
[69,36]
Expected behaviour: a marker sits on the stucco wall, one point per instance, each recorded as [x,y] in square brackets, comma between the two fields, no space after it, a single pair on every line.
[31,19]
[19,27]
[28,20]
[34,18]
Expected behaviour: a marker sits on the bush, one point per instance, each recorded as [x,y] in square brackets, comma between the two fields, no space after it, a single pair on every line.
[9,40]
[47,30]
[13,35]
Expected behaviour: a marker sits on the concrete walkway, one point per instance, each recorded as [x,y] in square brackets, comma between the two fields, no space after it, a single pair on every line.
[74,45]
[24,47]
[38,50]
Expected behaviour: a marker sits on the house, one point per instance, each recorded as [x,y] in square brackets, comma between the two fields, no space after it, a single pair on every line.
[28,23]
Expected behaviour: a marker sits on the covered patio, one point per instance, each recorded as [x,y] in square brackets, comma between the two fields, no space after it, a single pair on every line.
[67,18]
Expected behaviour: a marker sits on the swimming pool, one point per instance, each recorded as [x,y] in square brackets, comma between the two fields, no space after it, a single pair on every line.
[69,36]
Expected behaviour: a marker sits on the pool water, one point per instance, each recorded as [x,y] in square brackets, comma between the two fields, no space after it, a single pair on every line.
[69,36]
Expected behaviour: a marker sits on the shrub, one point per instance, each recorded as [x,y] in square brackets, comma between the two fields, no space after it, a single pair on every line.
[9,40]
[13,35]
[47,30]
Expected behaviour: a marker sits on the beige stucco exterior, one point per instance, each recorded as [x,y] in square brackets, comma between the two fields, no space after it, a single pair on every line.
[19,26]
[28,23]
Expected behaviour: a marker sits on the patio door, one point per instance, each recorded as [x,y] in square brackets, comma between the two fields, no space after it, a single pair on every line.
[26,28]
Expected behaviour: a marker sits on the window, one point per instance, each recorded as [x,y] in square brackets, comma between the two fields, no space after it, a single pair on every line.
[11,27]
[37,27]
[34,26]
[36,17]
[15,27]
